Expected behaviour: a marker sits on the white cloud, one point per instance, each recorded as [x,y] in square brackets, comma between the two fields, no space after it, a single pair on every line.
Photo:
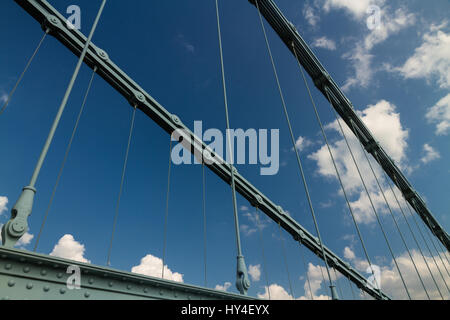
[302,143]
[68,248]
[152,266]
[431,59]
[309,12]
[3,203]
[356,8]
[360,56]
[385,125]
[440,114]
[24,240]
[430,154]
[349,254]
[325,43]
[223,287]
[255,272]
[277,292]
[391,282]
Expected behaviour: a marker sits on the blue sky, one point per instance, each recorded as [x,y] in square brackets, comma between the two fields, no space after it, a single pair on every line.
[397,77]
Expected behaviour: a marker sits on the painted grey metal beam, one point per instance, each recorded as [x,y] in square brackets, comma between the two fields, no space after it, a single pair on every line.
[74,40]
[323,81]
[32,276]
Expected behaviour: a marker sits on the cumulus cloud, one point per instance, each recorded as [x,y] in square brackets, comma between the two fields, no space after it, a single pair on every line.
[3,203]
[440,115]
[255,272]
[391,282]
[223,287]
[357,9]
[277,292]
[310,14]
[392,21]
[384,123]
[152,266]
[302,143]
[324,43]
[431,60]
[68,248]
[430,154]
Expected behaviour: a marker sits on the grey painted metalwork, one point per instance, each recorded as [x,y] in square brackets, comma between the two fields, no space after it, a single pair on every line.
[28,275]
[288,34]
[74,40]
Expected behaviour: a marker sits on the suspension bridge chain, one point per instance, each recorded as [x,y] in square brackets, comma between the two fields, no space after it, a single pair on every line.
[93,56]
[322,80]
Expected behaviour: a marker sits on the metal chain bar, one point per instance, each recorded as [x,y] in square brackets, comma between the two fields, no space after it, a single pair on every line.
[288,34]
[74,40]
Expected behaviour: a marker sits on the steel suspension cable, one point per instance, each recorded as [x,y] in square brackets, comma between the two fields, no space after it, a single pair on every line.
[306,271]
[372,205]
[243,282]
[166,214]
[337,283]
[433,257]
[395,220]
[331,285]
[334,163]
[367,192]
[351,288]
[204,216]
[430,236]
[429,251]
[258,226]
[285,262]
[8,99]
[410,229]
[122,179]
[69,145]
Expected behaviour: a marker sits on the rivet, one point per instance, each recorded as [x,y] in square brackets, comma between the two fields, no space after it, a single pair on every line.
[22,259]
[8,266]
[62,290]
[129,287]
[87,294]
[11,283]
[59,275]
[55,266]
[175,294]
[91,281]
[26,269]
[161,292]
[43,272]
[189,297]
[46,288]
[110,284]
[4,256]
[145,290]
[29,286]
[39,263]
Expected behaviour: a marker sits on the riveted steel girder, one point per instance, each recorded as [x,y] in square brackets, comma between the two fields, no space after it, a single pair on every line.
[323,81]
[31,276]
[74,40]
